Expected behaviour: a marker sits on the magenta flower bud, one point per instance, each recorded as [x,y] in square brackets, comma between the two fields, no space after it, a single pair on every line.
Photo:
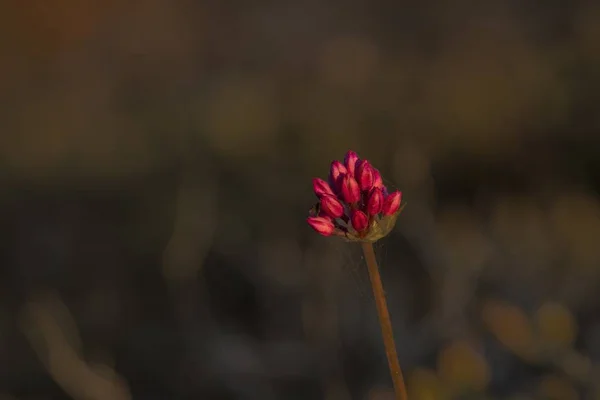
[391,204]
[322,225]
[321,187]
[350,161]
[350,190]
[375,201]
[336,173]
[364,175]
[331,206]
[377,180]
[359,220]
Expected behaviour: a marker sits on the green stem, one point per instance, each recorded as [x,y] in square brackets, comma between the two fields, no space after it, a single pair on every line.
[385,322]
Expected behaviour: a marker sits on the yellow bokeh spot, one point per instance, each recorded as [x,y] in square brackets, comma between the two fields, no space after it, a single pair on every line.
[511,327]
[461,367]
[424,384]
[557,388]
[555,324]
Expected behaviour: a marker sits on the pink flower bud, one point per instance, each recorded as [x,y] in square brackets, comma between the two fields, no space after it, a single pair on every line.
[377,180]
[322,225]
[350,161]
[359,220]
[337,171]
[350,190]
[331,206]
[391,204]
[321,187]
[364,175]
[375,201]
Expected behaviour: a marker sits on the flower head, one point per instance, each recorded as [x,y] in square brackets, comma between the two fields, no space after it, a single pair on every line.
[355,203]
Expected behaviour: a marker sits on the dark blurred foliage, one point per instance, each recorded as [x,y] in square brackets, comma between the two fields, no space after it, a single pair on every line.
[155,171]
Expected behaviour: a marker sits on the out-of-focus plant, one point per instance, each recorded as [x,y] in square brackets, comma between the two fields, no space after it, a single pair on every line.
[546,338]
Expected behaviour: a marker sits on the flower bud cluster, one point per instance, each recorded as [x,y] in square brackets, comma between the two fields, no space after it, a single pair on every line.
[354,203]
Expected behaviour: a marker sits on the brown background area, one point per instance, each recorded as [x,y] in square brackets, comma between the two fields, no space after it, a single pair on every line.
[155,174]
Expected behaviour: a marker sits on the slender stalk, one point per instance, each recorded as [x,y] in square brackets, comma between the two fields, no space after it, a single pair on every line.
[385,322]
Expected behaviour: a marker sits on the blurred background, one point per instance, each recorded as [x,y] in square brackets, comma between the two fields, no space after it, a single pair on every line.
[155,176]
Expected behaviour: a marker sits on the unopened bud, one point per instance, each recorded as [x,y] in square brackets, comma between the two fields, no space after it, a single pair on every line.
[377,180]
[331,206]
[336,173]
[359,220]
[364,175]
[322,225]
[391,204]
[350,161]
[375,201]
[321,187]
[350,190]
